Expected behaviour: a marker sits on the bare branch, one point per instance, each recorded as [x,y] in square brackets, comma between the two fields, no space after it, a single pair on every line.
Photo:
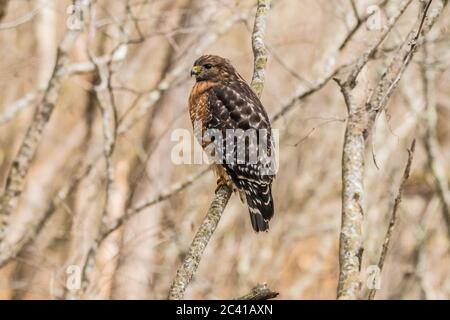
[260,292]
[359,22]
[259,50]
[190,264]
[392,75]
[65,71]
[19,21]
[105,97]
[351,245]
[361,62]
[302,94]
[393,220]
[19,105]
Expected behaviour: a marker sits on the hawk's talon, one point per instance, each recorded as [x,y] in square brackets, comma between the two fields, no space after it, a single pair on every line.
[222,182]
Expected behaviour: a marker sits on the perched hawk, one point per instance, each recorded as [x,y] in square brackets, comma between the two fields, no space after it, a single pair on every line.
[236,128]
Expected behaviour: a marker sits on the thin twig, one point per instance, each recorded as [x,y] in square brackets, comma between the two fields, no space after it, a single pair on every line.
[359,23]
[260,292]
[172,191]
[105,96]
[393,220]
[393,73]
[190,264]
[19,21]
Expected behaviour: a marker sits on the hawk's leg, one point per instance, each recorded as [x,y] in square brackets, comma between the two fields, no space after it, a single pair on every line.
[224,179]
[242,196]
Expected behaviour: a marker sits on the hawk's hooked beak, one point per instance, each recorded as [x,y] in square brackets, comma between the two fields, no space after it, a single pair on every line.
[196,70]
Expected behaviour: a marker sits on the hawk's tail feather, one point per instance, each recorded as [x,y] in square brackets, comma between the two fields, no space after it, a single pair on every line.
[260,205]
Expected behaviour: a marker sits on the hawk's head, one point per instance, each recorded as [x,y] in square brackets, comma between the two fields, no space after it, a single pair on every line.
[212,68]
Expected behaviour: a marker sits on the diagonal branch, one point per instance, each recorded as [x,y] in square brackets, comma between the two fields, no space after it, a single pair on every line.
[109,228]
[260,292]
[403,56]
[393,220]
[359,22]
[190,264]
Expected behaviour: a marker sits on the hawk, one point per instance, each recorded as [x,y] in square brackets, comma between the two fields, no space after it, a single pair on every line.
[233,123]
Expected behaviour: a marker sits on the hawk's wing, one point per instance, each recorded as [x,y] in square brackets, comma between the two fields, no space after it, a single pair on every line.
[245,146]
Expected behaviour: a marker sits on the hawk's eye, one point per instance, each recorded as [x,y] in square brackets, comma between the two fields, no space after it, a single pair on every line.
[207,66]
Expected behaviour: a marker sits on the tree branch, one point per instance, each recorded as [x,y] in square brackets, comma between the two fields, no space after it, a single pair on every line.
[189,267]
[260,292]
[393,220]
[351,244]
[359,22]
[17,22]
[392,75]
[259,50]
[10,251]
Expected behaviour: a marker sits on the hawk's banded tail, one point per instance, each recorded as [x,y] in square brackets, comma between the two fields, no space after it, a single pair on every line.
[260,204]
